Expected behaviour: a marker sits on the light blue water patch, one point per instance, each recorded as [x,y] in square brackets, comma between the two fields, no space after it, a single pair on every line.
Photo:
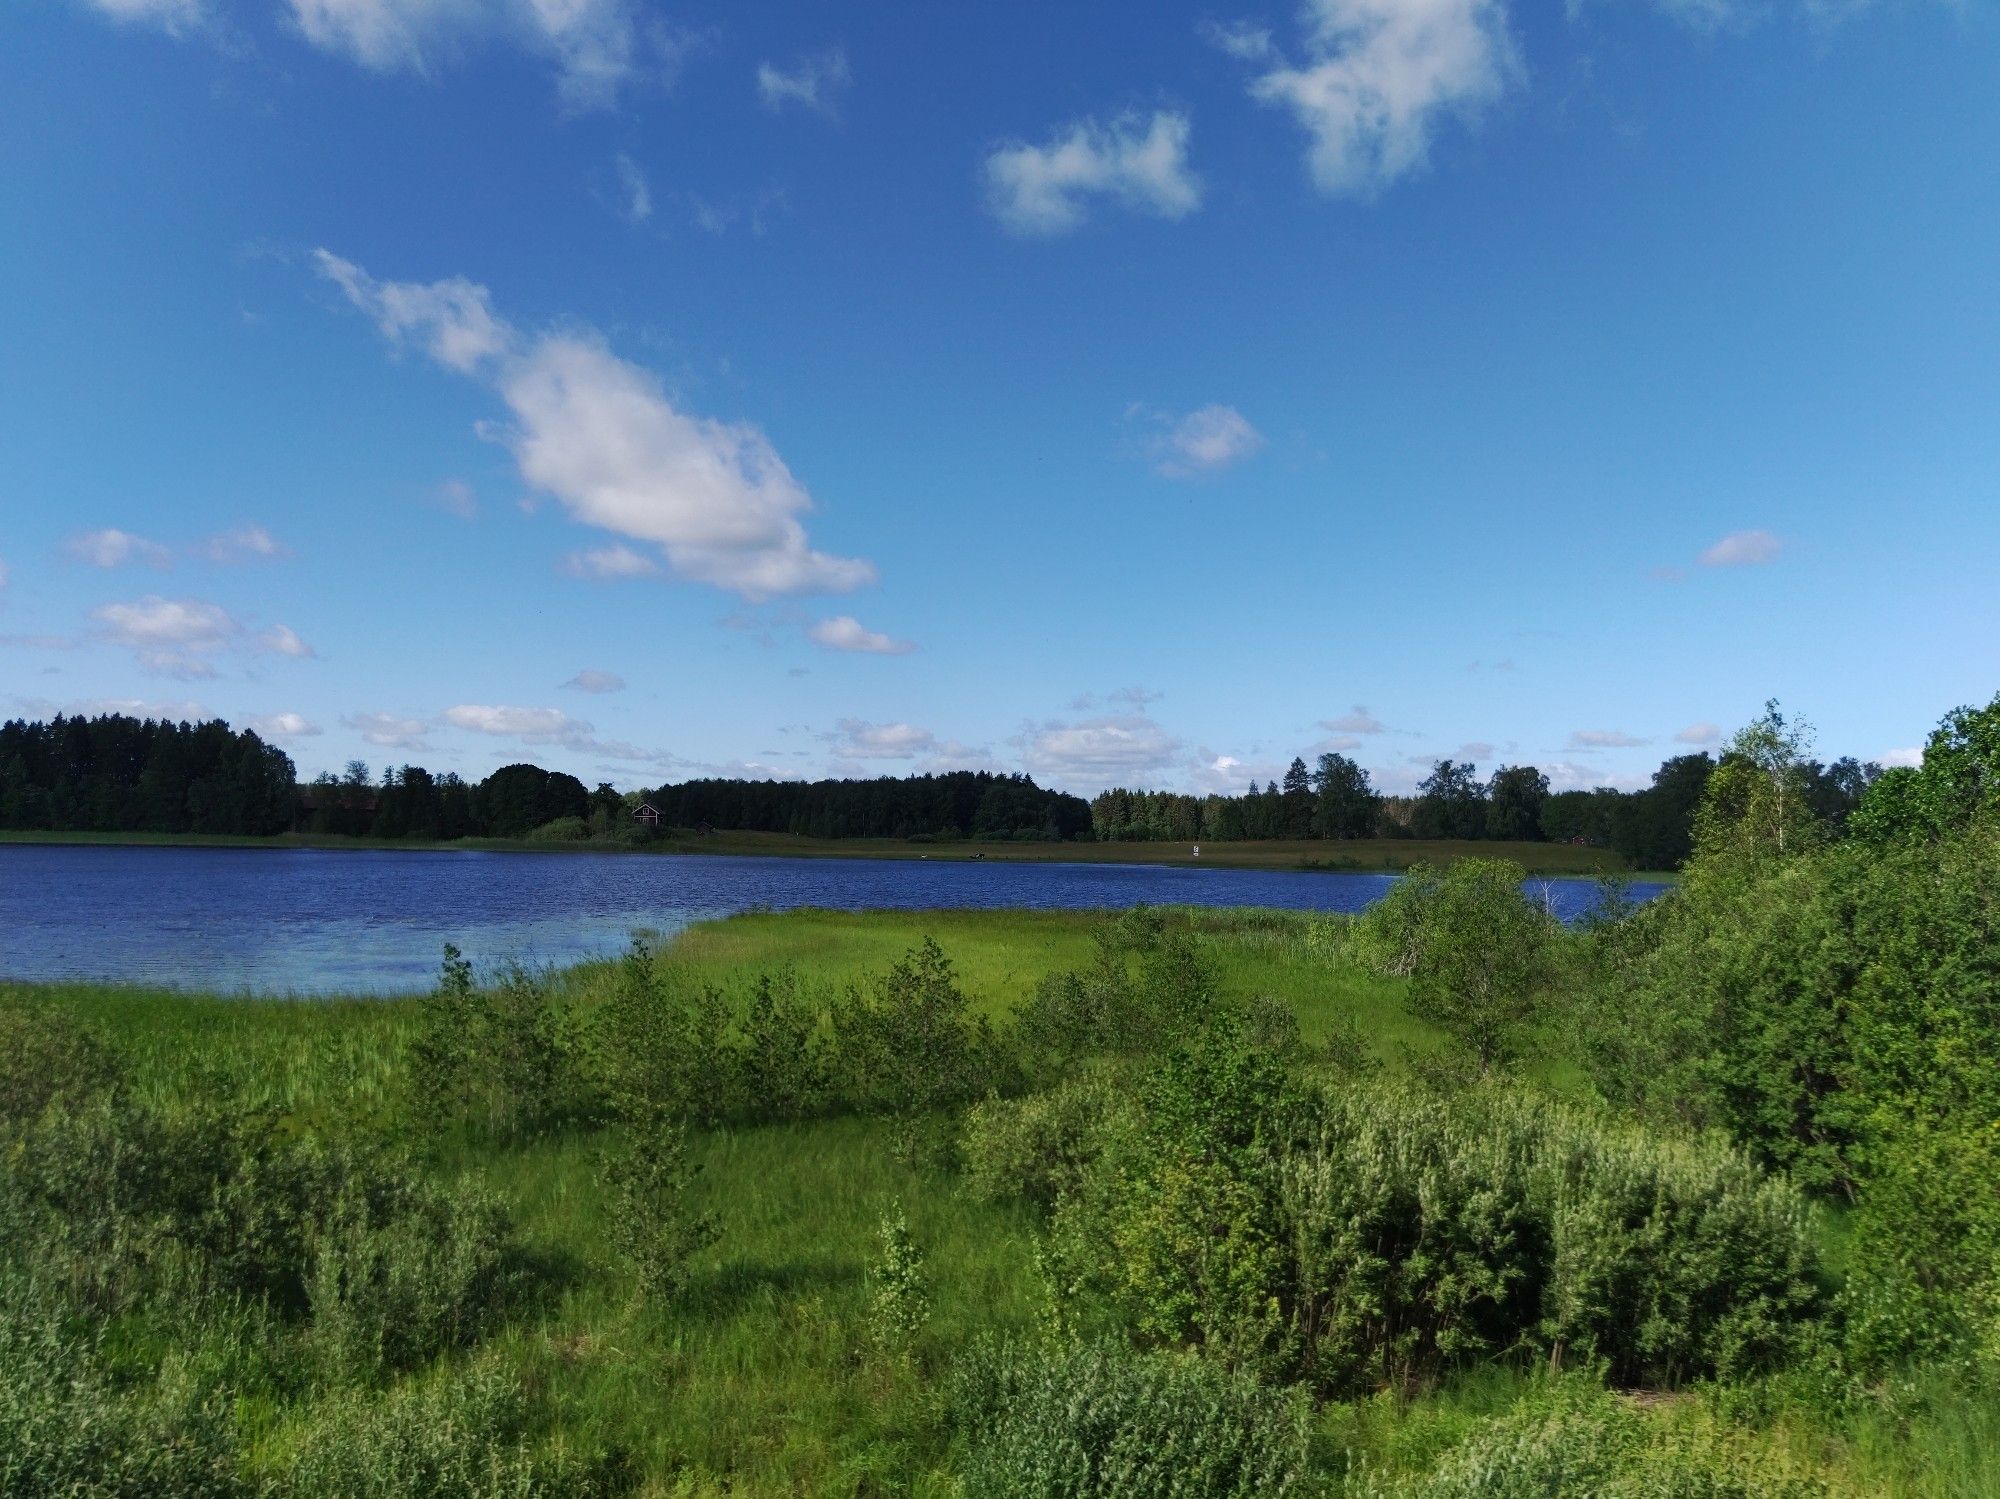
[361,921]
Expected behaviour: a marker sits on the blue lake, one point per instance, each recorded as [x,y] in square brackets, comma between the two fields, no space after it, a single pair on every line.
[348,921]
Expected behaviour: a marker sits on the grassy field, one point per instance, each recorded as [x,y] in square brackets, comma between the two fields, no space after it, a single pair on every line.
[1369,855]
[762,1380]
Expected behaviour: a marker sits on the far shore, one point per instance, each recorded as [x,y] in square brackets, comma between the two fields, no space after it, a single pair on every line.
[1356,856]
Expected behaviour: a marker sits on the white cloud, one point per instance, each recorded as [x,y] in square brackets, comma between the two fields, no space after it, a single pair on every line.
[1475,749]
[638,195]
[592,680]
[536,725]
[1206,440]
[1910,757]
[602,437]
[155,623]
[283,640]
[1565,775]
[1743,549]
[1589,739]
[244,544]
[614,561]
[1699,733]
[1098,751]
[172,16]
[813,81]
[114,548]
[388,730]
[1360,721]
[844,632]
[1377,79]
[285,726]
[455,497]
[598,46]
[1044,190]
[860,740]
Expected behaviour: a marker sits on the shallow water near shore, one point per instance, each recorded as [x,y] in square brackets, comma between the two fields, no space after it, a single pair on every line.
[357,921]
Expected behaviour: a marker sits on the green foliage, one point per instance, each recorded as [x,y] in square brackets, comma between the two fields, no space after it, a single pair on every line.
[1376,1238]
[913,1045]
[500,1057]
[781,1058]
[1957,787]
[462,1437]
[560,830]
[646,1174]
[656,1044]
[1478,952]
[48,1057]
[899,1299]
[1039,1147]
[1758,802]
[1101,1422]
[68,1429]
[1581,1441]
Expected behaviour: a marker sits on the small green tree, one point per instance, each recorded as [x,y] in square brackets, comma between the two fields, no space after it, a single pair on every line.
[647,1174]
[1758,801]
[899,1302]
[1480,955]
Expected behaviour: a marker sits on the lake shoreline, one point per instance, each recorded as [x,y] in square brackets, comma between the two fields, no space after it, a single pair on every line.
[1314,856]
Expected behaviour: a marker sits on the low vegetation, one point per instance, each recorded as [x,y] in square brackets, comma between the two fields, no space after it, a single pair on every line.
[1445,1200]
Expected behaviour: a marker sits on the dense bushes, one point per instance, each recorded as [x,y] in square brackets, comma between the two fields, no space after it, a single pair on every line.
[1102,1422]
[1375,1237]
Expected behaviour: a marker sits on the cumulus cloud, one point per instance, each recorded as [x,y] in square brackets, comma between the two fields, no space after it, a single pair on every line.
[1910,757]
[843,632]
[1589,739]
[858,739]
[592,680]
[1098,751]
[285,726]
[597,46]
[171,16]
[1743,549]
[389,730]
[636,195]
[814,82]
[1359,721]
[1376,80]
[1141,165]
[548,726]
[1205,441]
[114,548]
[244,544]
[1699,733]
[283,640]
[603,438]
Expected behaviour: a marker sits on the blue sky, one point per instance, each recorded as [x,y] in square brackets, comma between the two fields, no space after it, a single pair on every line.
[1137,394]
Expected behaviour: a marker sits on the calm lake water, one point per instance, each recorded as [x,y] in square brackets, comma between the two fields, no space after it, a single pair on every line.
[349,921]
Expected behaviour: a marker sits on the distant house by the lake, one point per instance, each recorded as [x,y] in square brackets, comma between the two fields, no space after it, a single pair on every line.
[646,814]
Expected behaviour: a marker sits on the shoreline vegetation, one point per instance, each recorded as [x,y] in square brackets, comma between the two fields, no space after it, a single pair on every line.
[1357,856]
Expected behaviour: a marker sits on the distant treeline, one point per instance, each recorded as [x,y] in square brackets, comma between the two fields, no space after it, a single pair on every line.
[410,802]
[1652,828]
[957,804]
[118,774]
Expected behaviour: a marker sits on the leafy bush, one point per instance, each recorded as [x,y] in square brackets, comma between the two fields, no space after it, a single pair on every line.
[1091,1422]
[656,1044]
[913,1045]
[1376,1237]
[647,1173]
[899,1301]
[561,830]
[66,1429]
[1585,1442]
[1038,1147]
[780,1066]
[458,1438]
[48,1056]
[502,1057]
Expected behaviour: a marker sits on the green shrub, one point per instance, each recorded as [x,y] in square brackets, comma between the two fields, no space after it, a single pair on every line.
[1040,1146]
[646,1174]
[1092,1422]
[47,1056]
[656,1044]
[1369,1238]
[913,1045]
[561,830]
[1584,1442]
[67,1430]
[464,1437]
[502,1057]
[779,1063]
[899,1302]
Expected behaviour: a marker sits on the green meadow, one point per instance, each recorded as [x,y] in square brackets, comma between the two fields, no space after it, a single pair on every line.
[757,1361]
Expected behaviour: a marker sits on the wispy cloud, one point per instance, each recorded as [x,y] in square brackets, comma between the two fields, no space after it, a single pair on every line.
[171,16]
[602,437]
[389,730]
[181,637]
[1206,441]
[814,82]
[1592,739]
[1376,80]
[1097,752]
[843,632]
[114,548]
[285,726]
[1357,721]
[1743,549]
[1699,733]
[592,680]
[1048,189]
[243,544]
[635,194]
[858,739]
